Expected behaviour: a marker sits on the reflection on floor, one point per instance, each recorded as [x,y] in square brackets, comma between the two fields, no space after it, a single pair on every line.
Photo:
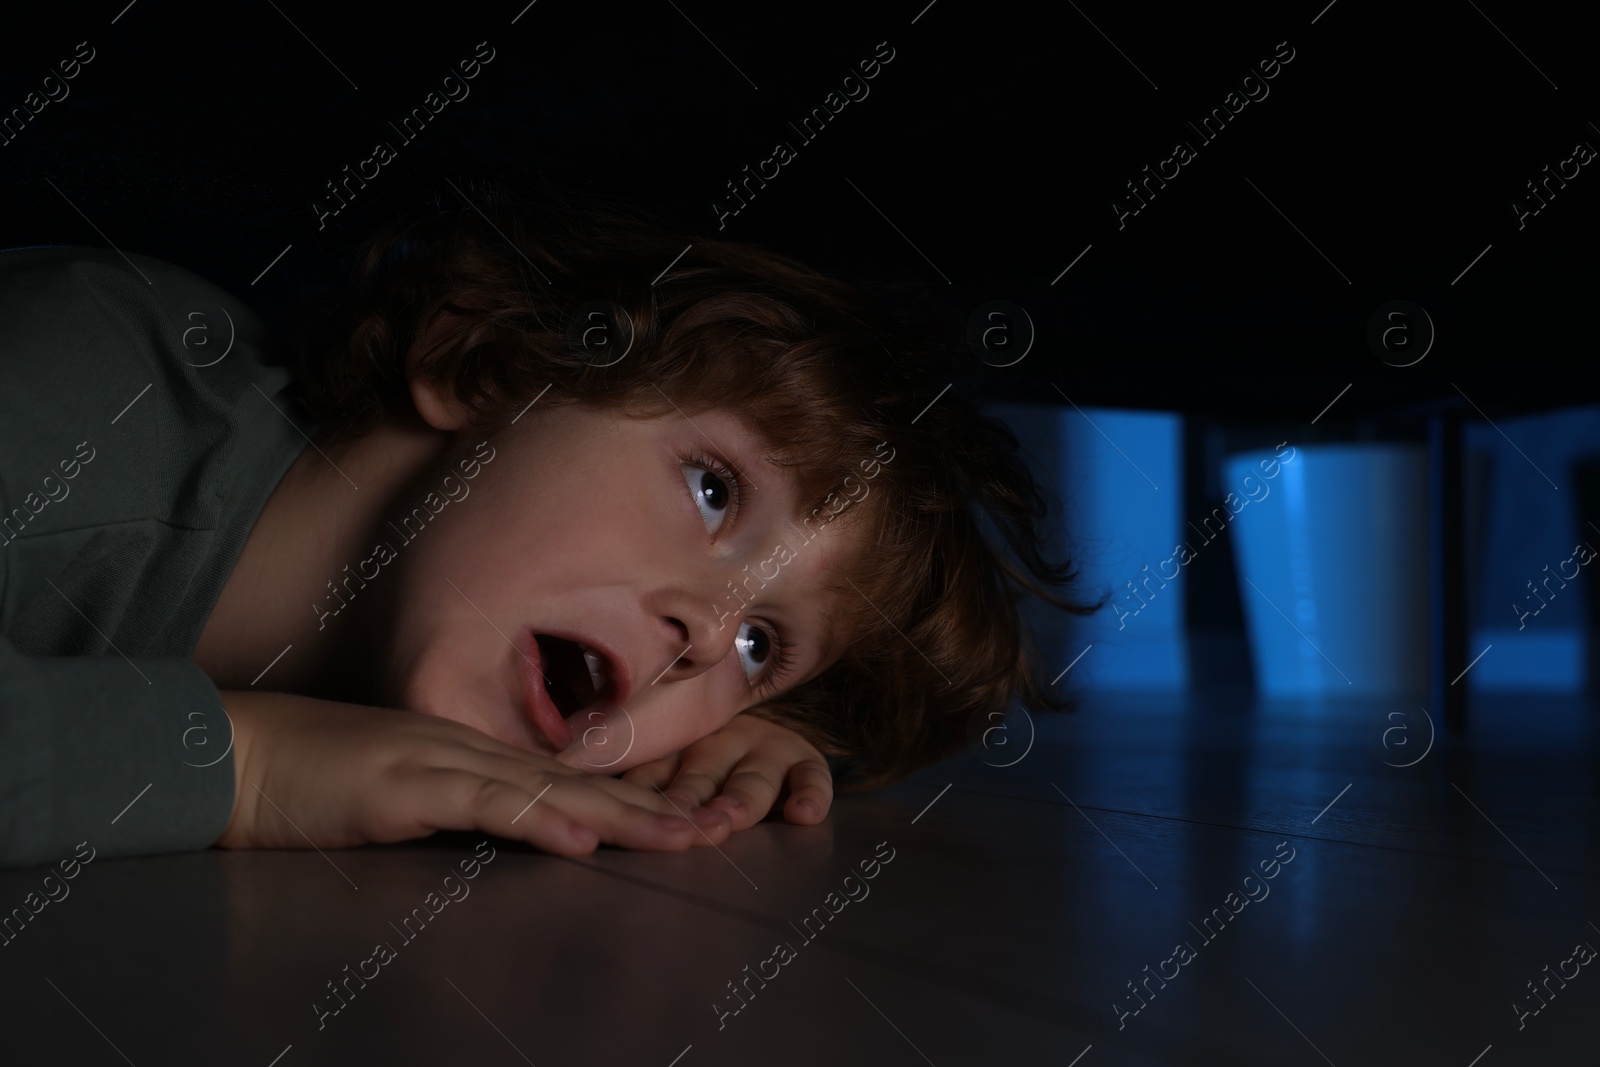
[1177,880]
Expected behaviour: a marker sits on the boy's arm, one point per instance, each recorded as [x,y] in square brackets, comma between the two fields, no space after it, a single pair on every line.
[144,755]
[328,774]
[743,768]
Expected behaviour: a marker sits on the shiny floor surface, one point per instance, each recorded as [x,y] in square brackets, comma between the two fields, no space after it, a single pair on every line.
[1151,880]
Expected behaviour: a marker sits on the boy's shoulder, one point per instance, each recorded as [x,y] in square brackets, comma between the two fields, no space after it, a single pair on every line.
[88,305]
[86,331]
[143,424]
[153,366]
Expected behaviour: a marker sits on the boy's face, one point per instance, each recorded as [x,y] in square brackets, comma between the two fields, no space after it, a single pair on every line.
[588,527]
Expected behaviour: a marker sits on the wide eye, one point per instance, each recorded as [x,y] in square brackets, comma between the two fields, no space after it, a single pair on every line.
[710,494]
[754,646]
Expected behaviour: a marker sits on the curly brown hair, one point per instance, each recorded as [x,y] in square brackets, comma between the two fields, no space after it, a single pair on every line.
[832,371]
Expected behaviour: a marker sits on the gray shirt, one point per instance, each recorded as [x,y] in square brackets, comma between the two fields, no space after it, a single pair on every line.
[142,429]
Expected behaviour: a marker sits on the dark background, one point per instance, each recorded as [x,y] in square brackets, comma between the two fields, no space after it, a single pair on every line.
[995,141]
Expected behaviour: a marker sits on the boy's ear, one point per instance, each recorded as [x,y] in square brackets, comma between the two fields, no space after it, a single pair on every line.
[435,402]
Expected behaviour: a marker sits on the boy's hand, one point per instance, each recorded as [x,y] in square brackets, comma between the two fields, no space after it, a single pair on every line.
[315,772]
[741,769]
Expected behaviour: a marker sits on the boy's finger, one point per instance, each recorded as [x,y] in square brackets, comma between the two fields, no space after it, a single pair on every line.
[748,794]
[461,800]
[627,816]
[620,814]
[810,792]
[696,784]
[656,773]
[632,826]
[713,824]
[576,783]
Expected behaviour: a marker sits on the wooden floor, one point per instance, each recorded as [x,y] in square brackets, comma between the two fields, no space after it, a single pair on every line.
[1026,914]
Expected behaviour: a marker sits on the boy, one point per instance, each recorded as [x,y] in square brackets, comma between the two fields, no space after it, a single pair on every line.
[576,515]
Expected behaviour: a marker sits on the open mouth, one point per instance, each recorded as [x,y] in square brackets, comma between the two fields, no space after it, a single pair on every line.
[576,676]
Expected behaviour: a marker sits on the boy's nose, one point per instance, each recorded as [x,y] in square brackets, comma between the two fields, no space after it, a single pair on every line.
[698,639]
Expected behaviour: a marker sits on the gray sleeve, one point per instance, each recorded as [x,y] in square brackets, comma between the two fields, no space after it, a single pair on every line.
[132,756]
